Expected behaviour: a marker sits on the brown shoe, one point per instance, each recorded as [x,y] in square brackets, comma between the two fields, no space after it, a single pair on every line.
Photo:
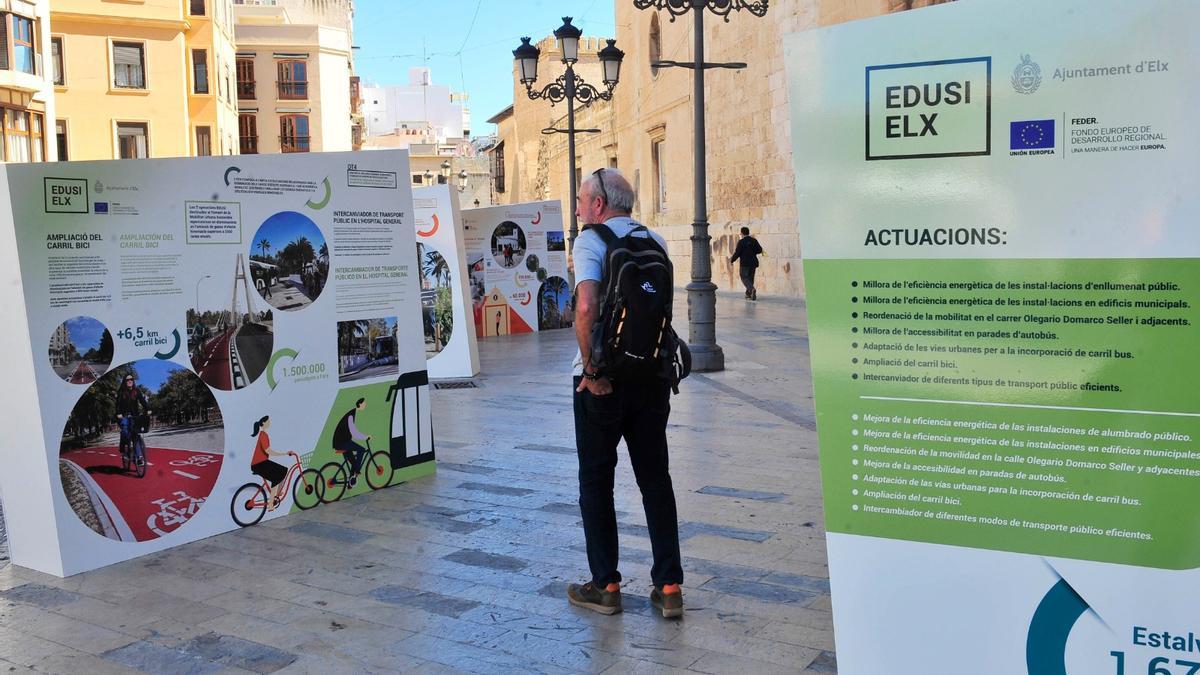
[668,599]
[589,596]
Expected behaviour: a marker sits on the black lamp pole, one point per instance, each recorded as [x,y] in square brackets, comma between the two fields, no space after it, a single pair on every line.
[571,88]
[707,355]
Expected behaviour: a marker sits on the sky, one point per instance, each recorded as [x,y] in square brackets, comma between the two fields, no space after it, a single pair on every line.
[151,373]
[282,229]
[472,56]
[85,333]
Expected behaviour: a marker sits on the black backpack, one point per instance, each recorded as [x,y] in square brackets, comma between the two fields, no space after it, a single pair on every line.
[633,338]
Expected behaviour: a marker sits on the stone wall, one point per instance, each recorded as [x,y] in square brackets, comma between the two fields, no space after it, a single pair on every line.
[751,181]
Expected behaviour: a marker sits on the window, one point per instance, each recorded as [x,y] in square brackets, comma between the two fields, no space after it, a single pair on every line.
[200,71]
[24,136]
[417,180]
[498,166]
[203,141]
[132,140]
[22,45]
[293,133]
[197,8]
[129,65]
[293,79]
[16,130]
[245,78]
[37,141]
[56,61]
[612,162]
[60,131]
[657,148]
[248,133]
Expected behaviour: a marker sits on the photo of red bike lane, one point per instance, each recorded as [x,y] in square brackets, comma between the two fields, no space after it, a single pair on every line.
[142,509]
[213,362]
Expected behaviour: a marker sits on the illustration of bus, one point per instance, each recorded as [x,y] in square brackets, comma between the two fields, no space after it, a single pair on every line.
[412,441]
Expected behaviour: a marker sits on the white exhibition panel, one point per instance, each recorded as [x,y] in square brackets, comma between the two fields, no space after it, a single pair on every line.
[231,289]
[517,260]
[440,237]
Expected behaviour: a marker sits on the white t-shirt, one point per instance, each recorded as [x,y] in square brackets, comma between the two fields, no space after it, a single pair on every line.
[589,256]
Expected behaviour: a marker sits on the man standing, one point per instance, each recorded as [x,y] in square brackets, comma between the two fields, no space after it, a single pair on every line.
[748,249]
[607,410]
[344,437]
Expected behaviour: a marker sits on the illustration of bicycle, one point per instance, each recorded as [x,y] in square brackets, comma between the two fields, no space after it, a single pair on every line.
[377,466]
[133,451]
[173,512]
[250,501]
[197,460]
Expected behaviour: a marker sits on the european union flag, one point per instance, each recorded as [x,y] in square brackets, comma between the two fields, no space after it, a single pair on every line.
[1031,135]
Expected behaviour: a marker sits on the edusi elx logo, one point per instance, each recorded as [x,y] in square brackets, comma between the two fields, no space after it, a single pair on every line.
[65,195]
[929,109]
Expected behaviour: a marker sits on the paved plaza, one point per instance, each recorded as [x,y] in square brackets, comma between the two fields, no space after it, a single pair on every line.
[467,570]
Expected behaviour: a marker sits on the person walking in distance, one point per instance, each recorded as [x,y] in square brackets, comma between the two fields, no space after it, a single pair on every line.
[608,408]
[748,249]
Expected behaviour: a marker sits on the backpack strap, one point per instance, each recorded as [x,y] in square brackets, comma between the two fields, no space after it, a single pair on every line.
[606,234]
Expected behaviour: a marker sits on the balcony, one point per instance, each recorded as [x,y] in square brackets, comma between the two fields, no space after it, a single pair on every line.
[294,143]
[249,145]
[293,91]
[245,90]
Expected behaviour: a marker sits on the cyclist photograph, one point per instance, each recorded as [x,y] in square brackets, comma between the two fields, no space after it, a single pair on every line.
[261,464]
[127,479]
[130,403]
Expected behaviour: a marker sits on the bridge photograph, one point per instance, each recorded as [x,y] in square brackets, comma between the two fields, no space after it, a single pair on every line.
[229,339]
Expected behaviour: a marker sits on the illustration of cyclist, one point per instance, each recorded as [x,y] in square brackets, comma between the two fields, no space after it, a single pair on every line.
[129,404]
[261,464]
[344,437]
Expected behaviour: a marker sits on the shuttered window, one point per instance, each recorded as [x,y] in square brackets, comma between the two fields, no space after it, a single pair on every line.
[132,140]
[203,141]
[129,65]
[248,133]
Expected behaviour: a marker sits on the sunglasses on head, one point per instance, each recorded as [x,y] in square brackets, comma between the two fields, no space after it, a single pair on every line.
[599,174]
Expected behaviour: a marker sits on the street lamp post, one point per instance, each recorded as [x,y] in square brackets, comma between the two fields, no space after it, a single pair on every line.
[571,88]
[206,276]
[707,355]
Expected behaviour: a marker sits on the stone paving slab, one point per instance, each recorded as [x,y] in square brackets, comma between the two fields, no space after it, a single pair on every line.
[466,571]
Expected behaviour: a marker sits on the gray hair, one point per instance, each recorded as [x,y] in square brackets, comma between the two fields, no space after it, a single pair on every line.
[615,185]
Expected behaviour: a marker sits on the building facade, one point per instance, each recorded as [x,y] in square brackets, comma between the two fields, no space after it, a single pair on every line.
[212,94]
[647,131]
[387,109]
[27,106]
[293,76]
[124,90]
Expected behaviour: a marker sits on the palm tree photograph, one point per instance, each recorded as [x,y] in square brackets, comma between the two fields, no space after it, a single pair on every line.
[437,307]
[289,261]
[554,310]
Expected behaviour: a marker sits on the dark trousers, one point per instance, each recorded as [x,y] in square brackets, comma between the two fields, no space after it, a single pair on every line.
[355,453]
[748,279]
[636,411]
